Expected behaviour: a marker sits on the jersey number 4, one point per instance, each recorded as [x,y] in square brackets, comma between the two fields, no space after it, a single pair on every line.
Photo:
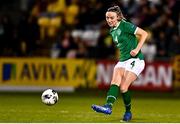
[132,64]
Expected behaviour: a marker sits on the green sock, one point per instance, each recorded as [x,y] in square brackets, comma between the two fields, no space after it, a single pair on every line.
[112,94]
[127,100]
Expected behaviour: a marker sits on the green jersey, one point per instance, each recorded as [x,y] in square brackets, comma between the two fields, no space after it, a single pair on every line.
[124,37]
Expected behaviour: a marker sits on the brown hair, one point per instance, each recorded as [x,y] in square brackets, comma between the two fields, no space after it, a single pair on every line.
[117,10]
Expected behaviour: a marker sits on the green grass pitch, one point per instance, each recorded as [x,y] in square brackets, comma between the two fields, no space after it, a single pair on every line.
[76,107]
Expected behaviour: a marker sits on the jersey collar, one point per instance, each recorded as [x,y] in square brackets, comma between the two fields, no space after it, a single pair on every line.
[115,27]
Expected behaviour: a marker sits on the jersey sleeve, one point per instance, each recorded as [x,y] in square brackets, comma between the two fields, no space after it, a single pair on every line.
[130,28]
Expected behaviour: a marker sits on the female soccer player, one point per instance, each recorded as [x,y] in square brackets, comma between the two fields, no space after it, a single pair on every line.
[131,61]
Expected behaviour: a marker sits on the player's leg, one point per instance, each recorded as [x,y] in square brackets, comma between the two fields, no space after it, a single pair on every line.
[112,93]
[133,68]
[128,78]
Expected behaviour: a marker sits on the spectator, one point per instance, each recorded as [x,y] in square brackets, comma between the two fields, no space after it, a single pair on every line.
[51,17]
[71,14]
[149,49]
[66,43]
[105,47]
[162,45]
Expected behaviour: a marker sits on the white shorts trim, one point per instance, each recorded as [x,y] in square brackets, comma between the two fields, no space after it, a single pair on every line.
[134,65]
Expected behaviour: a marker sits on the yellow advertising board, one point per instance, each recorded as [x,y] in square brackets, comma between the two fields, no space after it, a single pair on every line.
[47,72]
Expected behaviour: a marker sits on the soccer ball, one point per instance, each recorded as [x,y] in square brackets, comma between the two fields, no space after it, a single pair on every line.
[49,97]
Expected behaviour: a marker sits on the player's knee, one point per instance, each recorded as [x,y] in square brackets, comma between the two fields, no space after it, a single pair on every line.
[115,83]
[123,88]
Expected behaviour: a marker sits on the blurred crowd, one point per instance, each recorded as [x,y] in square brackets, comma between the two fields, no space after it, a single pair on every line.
[77,28]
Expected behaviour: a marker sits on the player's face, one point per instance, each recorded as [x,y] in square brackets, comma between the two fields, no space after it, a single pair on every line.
[112,19]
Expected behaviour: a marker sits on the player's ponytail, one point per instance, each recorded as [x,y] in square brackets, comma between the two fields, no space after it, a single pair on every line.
[118,11]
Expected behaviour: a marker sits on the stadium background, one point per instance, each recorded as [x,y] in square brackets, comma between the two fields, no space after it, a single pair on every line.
[65,45]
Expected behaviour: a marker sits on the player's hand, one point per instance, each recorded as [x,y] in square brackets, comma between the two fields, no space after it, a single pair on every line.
[134,52]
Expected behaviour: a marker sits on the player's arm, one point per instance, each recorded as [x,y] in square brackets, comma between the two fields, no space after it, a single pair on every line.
[142,35]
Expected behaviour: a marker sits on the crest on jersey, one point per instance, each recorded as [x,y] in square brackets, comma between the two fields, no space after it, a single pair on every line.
[118,32]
